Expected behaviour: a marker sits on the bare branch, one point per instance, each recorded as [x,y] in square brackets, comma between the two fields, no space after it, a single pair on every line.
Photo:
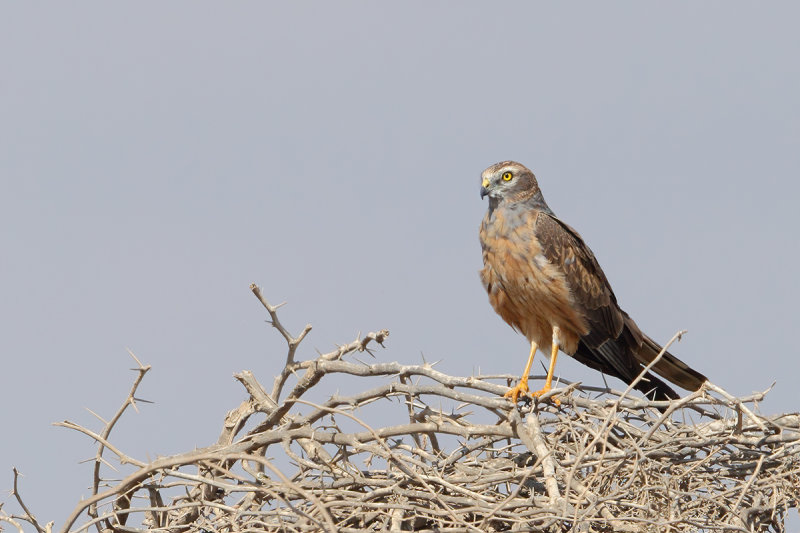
[28,515]
[411,448]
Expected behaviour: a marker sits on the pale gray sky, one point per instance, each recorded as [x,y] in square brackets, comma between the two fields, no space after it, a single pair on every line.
[156,158]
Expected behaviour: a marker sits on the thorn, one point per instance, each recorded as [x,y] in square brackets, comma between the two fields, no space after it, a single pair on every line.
[132,401]
[108,464]
[130,352]
[100,418]
[142,400]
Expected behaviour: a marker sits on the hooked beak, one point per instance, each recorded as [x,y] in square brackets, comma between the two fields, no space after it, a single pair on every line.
[484,188]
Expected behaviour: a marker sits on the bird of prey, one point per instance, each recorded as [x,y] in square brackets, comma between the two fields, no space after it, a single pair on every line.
[545,282]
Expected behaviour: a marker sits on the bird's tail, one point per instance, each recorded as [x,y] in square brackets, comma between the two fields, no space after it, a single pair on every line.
[669,367]
[626,356]
[616,358]
[655,389]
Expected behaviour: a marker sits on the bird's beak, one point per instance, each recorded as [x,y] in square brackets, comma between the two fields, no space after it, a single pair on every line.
[484,188]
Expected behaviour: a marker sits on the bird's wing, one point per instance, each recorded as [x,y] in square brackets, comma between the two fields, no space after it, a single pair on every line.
[613,339]
[592,297]
[591,292]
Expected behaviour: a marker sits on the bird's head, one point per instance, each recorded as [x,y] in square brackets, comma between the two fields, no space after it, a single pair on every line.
[511,182]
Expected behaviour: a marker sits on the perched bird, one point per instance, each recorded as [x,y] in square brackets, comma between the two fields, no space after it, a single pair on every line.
[545,282]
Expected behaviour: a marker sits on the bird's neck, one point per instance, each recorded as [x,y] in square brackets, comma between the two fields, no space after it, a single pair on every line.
[529,202]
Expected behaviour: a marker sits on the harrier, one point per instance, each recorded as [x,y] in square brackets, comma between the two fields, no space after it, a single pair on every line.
[545,282]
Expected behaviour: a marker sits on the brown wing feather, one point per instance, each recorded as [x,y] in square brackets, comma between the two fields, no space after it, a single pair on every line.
[591,292]
[614,343]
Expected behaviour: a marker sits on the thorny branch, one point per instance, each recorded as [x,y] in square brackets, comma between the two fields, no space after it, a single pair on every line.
[28,517]
[412,448]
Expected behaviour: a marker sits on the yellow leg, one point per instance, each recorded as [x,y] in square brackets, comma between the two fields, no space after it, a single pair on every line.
[553,356]
[522,386]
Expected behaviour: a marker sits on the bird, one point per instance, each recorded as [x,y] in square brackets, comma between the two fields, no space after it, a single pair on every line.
[545,282]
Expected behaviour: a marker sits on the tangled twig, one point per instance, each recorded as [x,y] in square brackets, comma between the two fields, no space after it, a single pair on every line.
[412,448]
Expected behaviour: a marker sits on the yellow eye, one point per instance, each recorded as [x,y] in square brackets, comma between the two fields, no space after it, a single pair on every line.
[507,176]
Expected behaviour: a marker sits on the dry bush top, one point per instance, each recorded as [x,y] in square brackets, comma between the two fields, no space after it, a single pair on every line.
[411,448]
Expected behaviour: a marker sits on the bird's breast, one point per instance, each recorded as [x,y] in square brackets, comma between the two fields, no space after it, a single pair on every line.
[524,287]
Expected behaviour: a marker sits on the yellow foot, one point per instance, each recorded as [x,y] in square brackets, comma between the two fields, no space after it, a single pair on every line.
[544,390]
[520,388]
